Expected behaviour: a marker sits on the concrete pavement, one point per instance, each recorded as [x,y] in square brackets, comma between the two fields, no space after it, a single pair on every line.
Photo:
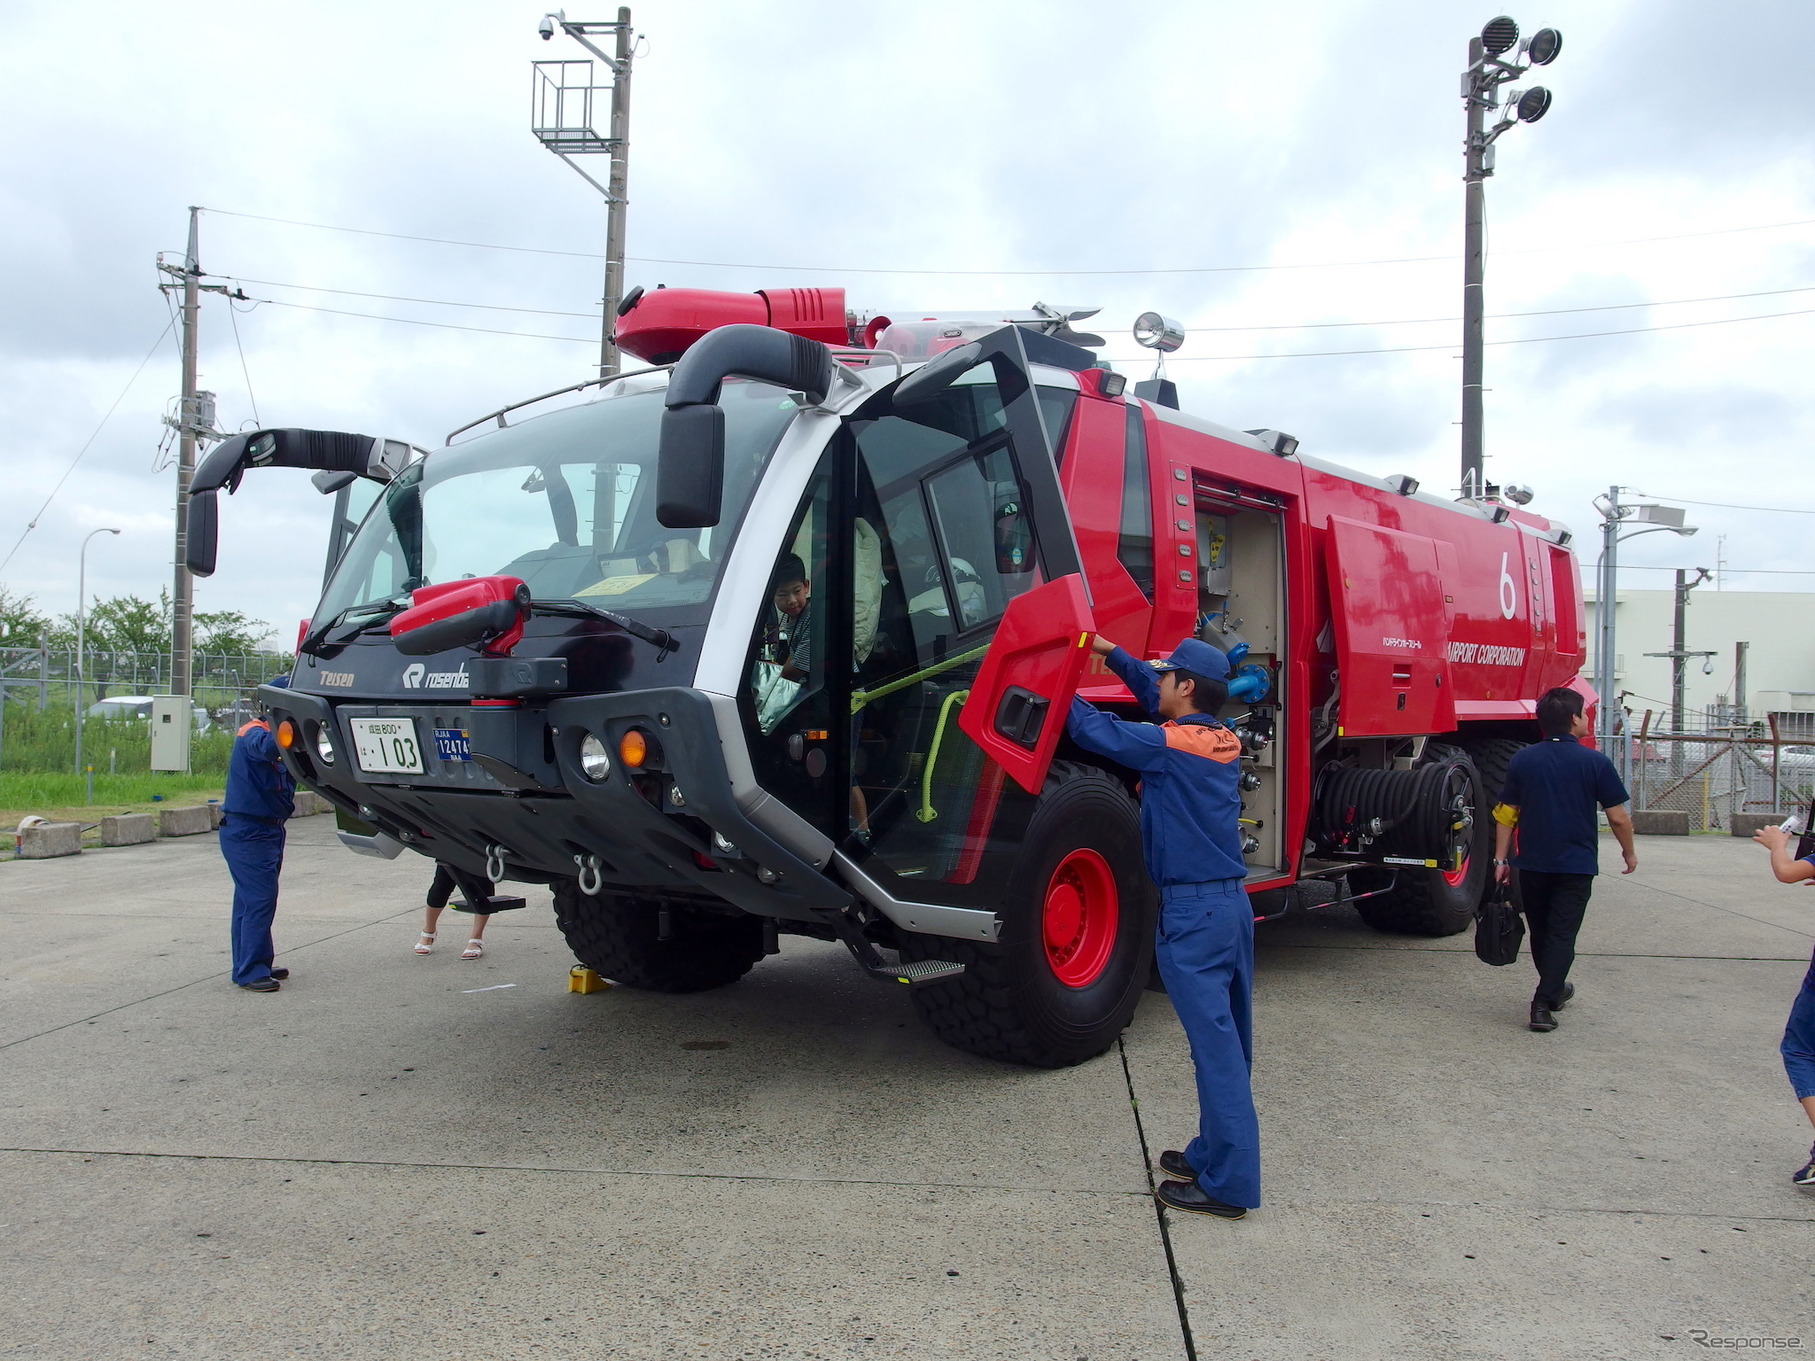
[397,1156]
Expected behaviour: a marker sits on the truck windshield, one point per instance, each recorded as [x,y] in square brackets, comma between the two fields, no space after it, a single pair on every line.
[565,501]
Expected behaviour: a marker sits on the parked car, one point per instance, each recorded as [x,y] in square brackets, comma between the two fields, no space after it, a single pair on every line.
[139,706]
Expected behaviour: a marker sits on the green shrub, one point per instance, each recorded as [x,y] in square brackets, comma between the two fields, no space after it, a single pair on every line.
[45,743]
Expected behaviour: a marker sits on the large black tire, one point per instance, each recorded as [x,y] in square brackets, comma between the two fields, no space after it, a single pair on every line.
[616,935]
[1491,756]
[1010,1002]
[1430,902]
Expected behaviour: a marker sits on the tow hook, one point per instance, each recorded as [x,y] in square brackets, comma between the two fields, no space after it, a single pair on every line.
[591,879]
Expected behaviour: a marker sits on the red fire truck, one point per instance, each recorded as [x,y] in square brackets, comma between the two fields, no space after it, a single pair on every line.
[777,636]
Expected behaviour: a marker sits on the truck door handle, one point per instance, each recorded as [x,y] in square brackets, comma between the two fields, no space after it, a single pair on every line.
[1021,715]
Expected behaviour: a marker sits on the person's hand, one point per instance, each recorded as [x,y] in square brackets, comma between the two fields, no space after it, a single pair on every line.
[1502,872]
[1101,645]
[1632,861]
[1772,837]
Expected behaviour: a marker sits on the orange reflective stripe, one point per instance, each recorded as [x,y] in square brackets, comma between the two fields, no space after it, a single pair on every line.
[255,723]
[1214,744]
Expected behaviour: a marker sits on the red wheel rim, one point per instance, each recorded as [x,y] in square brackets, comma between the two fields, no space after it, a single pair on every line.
[1079,919]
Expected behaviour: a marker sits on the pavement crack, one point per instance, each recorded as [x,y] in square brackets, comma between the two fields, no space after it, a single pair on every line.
[1159,1210]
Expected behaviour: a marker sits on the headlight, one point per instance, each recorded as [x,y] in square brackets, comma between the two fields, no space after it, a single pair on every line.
[324,744]
[595,761]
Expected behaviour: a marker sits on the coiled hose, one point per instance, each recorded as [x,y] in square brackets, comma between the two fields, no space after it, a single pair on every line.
[1426,813]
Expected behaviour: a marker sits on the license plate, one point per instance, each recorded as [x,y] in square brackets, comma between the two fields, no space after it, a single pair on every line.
[386,746]
[450,745]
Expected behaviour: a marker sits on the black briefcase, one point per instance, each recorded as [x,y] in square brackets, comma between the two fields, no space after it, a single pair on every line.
[1499,928]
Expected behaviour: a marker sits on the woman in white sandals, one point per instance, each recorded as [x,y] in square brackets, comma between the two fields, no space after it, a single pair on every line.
[439,892]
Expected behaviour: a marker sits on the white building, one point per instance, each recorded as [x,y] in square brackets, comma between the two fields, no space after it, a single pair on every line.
[1780,656]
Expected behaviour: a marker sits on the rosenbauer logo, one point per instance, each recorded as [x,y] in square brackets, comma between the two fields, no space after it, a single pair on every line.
[416,676]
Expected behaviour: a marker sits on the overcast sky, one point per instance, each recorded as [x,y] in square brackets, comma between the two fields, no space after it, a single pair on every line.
[809,142]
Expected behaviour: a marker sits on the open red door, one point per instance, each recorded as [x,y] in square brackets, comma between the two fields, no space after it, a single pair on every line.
[1392,631]
[1016,709]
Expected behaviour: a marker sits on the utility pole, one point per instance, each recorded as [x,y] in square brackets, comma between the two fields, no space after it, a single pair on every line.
[1481,83]
[193,424]
[1741,713]
[561,118]
[1679,657]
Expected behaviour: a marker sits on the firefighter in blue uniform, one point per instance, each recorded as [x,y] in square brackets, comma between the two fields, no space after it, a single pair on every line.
[260,798]
[1190,769]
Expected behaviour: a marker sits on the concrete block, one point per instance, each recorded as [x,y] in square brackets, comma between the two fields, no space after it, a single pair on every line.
[129,829]
[308,804]
[215,814]
[185,821]
[1744,824]
[48,840]
[1660,822]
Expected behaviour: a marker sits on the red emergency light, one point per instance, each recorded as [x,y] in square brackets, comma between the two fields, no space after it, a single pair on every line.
[660,326]
[483,612]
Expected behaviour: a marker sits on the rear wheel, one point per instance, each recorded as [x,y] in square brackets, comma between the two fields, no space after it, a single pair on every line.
[620,937]
[1438,902]
[1077,935]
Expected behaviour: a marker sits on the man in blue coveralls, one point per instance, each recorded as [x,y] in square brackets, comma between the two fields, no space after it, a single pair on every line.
[1190,769]
[260,799]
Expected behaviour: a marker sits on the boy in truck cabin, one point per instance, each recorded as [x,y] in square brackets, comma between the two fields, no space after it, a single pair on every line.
[1190,769]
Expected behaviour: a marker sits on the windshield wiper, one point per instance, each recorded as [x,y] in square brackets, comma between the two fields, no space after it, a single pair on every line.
[663,641]
[372,612]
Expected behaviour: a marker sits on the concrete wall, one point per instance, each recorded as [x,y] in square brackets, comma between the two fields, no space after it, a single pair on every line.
[1781,657]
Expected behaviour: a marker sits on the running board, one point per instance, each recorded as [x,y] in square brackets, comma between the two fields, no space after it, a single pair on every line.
[913,973]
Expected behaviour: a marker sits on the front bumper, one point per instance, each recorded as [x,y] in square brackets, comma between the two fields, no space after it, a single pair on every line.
[626,828]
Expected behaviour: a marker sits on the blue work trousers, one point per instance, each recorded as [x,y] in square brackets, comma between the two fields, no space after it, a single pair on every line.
[1798,1047]
[1205,950]
[254,852]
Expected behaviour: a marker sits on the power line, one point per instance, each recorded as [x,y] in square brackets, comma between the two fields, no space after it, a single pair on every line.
[1747,571]
[1723,505]
[392,297]
[1527,340]
[233,312]
[1501,316]
[1003,273]
[33,522]
[410,321]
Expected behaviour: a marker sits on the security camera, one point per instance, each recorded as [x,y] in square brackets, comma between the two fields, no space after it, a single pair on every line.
[547,27]
[1707,666]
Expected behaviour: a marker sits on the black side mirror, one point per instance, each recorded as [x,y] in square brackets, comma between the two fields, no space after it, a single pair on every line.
[690,475]
[329,483]
[202,534]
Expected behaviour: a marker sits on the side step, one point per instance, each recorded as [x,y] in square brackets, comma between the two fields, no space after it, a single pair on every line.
[912,973]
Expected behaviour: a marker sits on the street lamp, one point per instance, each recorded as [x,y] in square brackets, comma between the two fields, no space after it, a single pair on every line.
[81,640]
[1481,83]
[1648,519]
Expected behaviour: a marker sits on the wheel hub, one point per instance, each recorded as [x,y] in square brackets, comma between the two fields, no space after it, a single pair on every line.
[1081,912]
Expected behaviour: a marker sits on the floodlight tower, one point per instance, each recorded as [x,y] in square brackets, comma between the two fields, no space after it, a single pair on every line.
[1481,83]
[561,117]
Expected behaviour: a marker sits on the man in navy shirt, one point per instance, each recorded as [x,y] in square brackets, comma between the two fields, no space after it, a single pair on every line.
[1552,790]
[260,798]
[1190,769]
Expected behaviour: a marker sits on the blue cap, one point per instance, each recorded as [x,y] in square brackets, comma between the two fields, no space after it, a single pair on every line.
[1198,657]
[279,682]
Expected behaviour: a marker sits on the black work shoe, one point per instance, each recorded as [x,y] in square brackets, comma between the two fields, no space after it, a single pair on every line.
[1188,1195]
[263,985]
[1173,1164]
[280,974]
[1541,1019]
[1804,1176]
[1569,991]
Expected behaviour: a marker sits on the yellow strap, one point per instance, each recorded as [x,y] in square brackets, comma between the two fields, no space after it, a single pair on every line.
[1506,815]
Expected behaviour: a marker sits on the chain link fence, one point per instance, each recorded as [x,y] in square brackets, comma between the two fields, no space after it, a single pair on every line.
[1717,766]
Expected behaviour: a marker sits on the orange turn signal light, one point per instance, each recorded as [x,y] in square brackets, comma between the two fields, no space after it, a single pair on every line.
[286,734]
[633,749]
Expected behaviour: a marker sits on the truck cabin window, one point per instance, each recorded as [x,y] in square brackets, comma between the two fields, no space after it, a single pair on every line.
[567,502]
